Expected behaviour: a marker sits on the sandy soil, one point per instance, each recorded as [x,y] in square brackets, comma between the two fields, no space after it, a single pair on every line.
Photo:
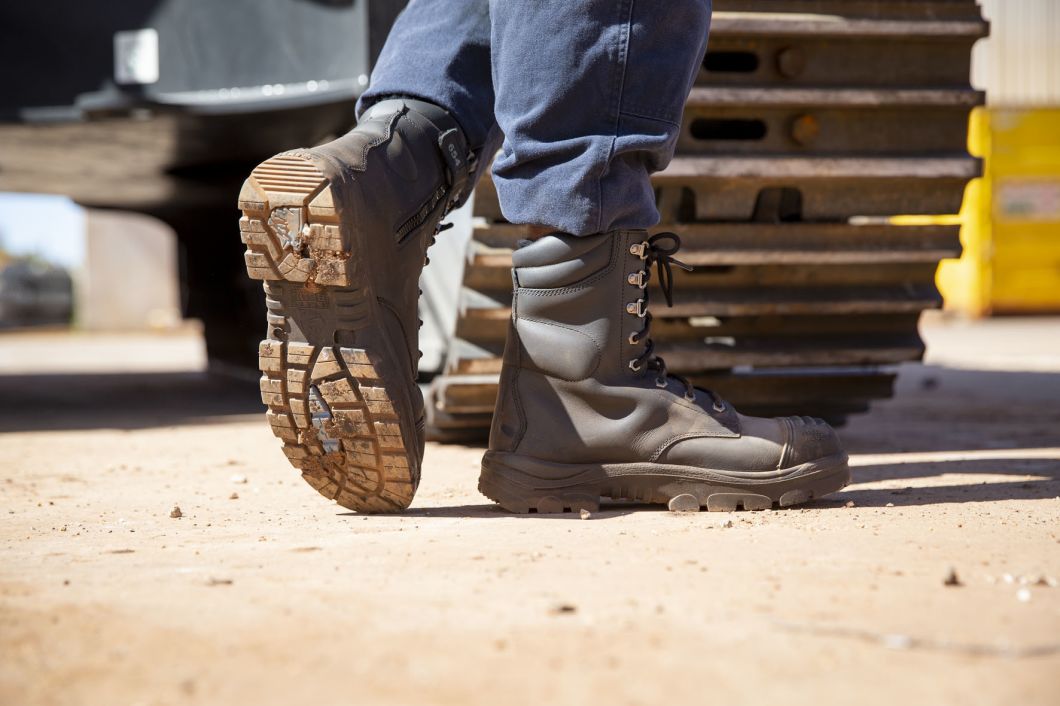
[264,593]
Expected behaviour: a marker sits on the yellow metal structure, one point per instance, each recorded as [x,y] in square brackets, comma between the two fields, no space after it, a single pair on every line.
[1010,217]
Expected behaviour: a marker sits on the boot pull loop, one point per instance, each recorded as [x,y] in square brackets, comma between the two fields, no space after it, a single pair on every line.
[459,162]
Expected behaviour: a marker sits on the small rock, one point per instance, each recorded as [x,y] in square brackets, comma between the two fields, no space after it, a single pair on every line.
[727,524]
[175,512]
[585,514]
[1047,581]
[219,582]
[897,642]
[238,478]
[849,503]
[952,579]
[1023,595]
[234,496]
[889,505]
[564,608]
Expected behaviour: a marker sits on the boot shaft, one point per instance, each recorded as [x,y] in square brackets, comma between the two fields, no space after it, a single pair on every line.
[573,304]
[572,377]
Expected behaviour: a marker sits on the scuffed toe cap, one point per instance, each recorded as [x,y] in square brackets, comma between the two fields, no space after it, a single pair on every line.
[809,439]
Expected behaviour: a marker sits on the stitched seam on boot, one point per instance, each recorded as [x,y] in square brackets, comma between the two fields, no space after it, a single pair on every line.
[375,143]
[580,285]
[668,443]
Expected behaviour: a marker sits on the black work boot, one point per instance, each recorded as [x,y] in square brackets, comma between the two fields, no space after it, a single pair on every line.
[339,234]
[586,410]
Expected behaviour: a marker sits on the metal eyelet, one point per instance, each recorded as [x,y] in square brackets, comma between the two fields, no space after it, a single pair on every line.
[634,339]
[691,397]
[719,407]
[637,279]
[640,250]
[661,382]
[636,308]
[635,365]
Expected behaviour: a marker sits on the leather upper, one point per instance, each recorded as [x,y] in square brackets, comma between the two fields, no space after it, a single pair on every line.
[568,393]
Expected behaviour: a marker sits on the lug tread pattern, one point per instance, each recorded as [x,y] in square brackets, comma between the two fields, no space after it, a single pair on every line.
[338,424]
[290,225]
[328,404]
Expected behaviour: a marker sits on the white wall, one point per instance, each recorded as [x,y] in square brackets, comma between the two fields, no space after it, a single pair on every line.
[1019,64]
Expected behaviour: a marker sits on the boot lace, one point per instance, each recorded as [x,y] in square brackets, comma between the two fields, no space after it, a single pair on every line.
[658,250]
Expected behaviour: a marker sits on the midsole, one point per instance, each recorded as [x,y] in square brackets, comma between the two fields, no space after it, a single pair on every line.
[536,474]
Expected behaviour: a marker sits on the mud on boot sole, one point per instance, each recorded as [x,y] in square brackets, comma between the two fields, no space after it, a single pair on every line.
[328,403]
[513,484]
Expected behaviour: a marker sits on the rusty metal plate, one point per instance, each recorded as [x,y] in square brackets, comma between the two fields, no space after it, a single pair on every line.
[812,122]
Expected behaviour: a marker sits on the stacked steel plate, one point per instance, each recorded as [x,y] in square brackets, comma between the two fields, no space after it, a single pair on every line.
[812,123]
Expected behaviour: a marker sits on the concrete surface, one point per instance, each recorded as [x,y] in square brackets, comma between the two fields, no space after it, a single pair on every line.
[930,580]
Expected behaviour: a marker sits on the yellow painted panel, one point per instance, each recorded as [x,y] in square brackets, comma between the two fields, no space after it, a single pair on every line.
[1011,217]
[1025,170]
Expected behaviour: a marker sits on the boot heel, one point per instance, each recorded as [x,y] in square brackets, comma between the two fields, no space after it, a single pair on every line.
[290,225]
[515,491]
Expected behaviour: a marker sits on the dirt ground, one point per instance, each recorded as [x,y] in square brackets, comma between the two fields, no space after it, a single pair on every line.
[264,593]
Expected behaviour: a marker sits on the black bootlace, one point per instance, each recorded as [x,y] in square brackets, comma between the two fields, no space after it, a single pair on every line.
[659,250]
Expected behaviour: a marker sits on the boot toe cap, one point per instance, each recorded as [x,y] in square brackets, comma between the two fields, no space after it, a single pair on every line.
[810,439]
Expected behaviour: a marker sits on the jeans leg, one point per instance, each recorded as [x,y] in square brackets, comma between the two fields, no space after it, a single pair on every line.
[589,96]
[439,51]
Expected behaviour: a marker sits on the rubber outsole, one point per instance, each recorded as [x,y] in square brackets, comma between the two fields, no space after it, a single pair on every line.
[327,402]
[520,492]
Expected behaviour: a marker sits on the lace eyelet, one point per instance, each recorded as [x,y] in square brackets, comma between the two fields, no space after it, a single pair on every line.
[636,308]
[640,250]
[719,407]
[635,365]
[637,279]
[661,382]
[690,397]
[634,339]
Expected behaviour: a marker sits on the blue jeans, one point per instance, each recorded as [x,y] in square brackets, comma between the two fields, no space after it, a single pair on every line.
[587,94]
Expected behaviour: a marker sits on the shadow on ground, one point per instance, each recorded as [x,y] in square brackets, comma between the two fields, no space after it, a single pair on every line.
[123,401]
[976,422]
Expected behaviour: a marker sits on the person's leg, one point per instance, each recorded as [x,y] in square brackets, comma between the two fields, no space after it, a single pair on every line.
[439,51]
[589,96]
[339,233]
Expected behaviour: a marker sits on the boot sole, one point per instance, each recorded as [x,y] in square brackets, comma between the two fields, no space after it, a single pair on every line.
[329,404]
[521,484]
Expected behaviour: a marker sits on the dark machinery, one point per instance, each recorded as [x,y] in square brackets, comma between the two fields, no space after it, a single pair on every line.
[164,107]
[812,122]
